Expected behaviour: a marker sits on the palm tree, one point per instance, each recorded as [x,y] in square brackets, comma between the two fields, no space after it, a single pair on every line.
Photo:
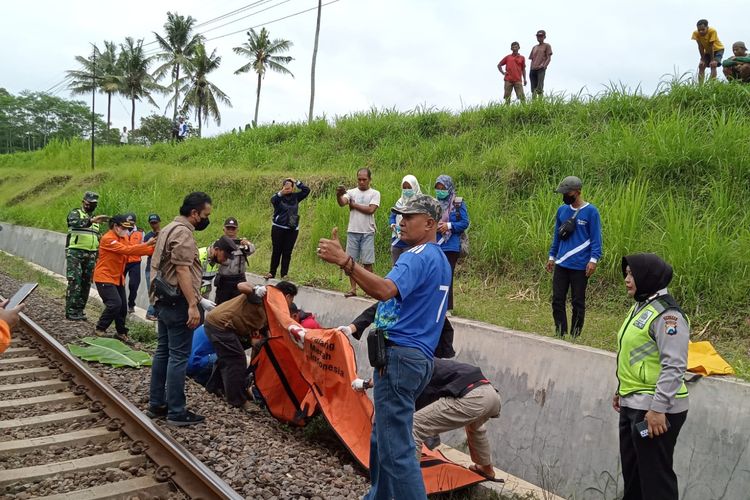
[106,70]
[314,59]
[200,94]
[262,54]
[135,81]
[177,46]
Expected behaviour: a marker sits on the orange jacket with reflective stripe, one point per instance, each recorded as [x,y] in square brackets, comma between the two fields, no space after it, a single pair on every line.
[113,255]
[136,238]
[4,336]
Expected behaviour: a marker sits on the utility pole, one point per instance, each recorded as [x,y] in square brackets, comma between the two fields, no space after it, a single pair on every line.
[93,103]
[312,71]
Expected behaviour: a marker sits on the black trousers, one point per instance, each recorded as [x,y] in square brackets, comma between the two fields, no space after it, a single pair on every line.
[283,241]
[647,462]
[115,307]
[452,260]
[229,373]
[226,287]
[536,77]
[562,280]
[133,272]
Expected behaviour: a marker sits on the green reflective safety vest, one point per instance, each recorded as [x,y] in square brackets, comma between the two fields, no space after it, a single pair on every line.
[638,364]
[83,238]
[209,269]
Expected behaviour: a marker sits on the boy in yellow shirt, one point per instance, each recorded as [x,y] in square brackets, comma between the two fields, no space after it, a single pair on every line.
[710,49]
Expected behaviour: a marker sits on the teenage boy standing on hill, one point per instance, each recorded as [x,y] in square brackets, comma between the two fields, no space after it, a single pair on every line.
[515,70]
[362,201]
[540,57]
[710,49]
[576,248]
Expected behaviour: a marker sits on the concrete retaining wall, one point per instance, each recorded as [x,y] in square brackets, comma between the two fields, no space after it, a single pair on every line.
[47,249]
[557,428]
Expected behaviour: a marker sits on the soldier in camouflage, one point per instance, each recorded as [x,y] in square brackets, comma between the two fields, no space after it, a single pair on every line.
[81,250]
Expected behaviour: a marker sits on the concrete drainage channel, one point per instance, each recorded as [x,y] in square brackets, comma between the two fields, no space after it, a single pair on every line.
[67,434]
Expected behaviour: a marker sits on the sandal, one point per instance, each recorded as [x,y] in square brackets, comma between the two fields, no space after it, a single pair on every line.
[476,470]
[350,293]
[268,276]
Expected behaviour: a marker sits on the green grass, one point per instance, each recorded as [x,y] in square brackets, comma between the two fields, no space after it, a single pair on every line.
[669,173]
[51,288]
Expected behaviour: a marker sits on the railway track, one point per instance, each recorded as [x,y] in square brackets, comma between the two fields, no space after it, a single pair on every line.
[67,434]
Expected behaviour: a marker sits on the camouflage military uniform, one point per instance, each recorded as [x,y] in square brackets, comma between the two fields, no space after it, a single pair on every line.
[81,251]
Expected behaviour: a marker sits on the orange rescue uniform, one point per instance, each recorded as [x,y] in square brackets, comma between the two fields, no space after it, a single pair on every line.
[4,336]
[114,252]
[136,238]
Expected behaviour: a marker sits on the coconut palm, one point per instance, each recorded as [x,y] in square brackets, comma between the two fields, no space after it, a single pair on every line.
[177,46]
[106,70]
[135,81]
[262,53]
[201,95]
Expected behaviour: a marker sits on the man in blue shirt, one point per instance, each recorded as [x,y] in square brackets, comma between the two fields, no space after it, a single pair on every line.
[576,249]
[202,357]
[413,300]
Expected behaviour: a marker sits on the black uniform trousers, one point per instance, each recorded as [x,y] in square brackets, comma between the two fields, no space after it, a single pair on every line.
[229,375]
[283,241]
[647,462]
[452,260]
[226,287]
[562,280]
[133,272]
[115,307]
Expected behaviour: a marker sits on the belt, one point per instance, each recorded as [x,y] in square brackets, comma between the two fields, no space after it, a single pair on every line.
[473,386]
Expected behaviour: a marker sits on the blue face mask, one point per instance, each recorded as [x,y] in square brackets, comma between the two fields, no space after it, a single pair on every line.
[407,193]
[442,194]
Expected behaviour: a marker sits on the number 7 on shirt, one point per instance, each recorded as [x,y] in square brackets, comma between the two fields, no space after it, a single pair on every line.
[444,289]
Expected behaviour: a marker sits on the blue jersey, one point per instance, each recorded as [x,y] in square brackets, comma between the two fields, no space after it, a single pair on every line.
[415,317]
[584,245]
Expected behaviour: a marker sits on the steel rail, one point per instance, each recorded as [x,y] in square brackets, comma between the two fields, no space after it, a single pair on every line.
[174,461]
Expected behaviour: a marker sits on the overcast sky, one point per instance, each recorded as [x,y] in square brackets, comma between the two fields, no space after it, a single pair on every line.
[385,54]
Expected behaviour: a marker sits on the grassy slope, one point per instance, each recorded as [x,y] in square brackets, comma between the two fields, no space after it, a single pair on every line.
[669,174]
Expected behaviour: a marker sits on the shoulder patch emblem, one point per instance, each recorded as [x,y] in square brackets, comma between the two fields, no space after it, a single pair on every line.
[643,319]
[670,324]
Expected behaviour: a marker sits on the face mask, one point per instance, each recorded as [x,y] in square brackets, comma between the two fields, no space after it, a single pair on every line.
[407,193]
[89,208]
[569,199]
[442,194]
[202,224]
[121,232]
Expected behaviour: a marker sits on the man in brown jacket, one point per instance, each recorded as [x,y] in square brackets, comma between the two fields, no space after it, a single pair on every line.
[175,261]
[243,315]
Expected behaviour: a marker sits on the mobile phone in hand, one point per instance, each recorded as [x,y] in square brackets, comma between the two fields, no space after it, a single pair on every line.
[21,295]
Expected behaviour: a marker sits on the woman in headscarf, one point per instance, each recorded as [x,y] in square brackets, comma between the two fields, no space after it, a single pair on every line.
[651,396]
[409,189]
[285,224]
[454,222]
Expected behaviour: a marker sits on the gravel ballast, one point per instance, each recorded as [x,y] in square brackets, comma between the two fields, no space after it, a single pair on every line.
[255,454]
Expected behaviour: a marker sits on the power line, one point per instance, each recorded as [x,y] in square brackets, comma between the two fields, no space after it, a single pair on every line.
[151,52]
[245,17]
[230,14]
[271,22]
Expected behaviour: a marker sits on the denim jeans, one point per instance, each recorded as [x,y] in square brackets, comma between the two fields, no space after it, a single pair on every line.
[394,469]
[170,359]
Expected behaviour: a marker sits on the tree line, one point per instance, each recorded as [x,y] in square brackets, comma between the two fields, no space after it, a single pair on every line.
[181,68]
[31,120]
